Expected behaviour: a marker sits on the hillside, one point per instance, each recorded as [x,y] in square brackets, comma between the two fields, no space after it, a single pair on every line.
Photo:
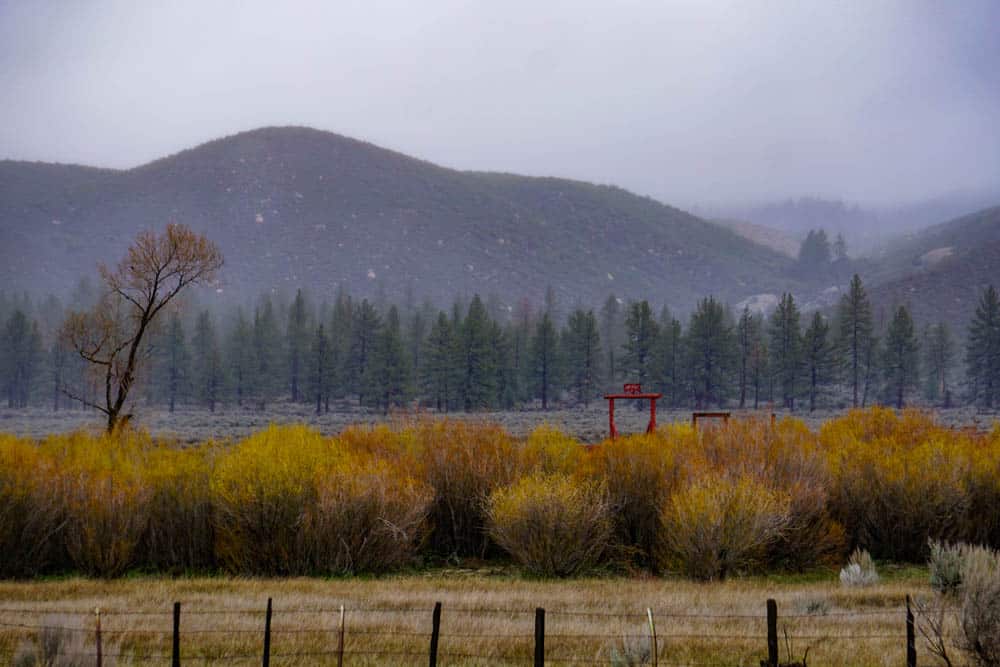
[295,207]
[769,237]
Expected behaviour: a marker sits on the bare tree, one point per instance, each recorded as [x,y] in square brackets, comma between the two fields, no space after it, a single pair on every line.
[110,335]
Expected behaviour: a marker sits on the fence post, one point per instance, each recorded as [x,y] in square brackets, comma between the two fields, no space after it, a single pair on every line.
[175,658]
[340,640]
[539,637]
[267,636]
[911,638]
[772,633]
[97,637]
[652,637]
[435,633]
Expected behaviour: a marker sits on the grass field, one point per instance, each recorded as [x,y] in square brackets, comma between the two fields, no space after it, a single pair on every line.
[388,620]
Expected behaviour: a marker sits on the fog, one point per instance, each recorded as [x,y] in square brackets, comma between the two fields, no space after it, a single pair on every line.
[693,103]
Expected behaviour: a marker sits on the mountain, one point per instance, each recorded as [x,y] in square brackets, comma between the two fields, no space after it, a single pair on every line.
[296,207]
[769,237]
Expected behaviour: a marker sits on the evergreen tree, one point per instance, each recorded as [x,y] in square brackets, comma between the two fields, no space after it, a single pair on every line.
[582,354]
[340,333]
[241,361]
[711,353]
[786,349]
[297,343]
[544,360]
[855,335]
[901,360]
[207,368]
[478,363]
[267,355]
[669,359]
[613,335]
[815,250]
[982,351]
[59,369]
[174,362]
[323,368]
[818,357]
[507,376]
[364,328]
[641,332]
[440,373]
[21,358]
[759,367]
[939,357]
[840,249]
[387,378]
[748,338]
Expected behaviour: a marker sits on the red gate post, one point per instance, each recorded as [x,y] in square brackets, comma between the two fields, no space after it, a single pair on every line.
[631,391]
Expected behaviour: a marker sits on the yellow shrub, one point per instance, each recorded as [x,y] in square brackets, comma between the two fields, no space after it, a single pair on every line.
[553,525]
[30,509]
[717,525]
[549,450]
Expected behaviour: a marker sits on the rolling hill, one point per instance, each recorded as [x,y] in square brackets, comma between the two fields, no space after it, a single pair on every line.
[295,207]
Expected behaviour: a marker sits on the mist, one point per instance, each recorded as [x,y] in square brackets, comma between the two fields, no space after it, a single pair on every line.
[692,103]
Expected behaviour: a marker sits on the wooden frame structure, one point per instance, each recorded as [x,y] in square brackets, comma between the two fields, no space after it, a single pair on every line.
[632,391]
[695,416]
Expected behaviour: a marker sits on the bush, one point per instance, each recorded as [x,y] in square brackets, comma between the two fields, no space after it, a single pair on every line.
[980,612]
[860,570]
[945,566]
[30,509]
[552,525]
[716,526]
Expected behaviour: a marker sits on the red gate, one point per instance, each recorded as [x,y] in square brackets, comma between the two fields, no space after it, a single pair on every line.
[632,391]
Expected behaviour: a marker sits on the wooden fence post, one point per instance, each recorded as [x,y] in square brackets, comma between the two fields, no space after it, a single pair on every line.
[539,637]
[772,633]
[340,640]
[911,638]
[175,656]
[267,636]
[97,637]
[435,633]
[653,649]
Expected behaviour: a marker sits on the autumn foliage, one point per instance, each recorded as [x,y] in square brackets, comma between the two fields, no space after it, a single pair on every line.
[739,497]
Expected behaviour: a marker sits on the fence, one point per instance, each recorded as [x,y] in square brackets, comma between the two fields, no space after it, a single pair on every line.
[385,641]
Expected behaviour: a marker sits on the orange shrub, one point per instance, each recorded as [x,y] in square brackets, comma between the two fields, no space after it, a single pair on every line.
[30,509]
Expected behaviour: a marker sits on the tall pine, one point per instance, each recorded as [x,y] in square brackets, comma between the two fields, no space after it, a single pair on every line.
[982,351]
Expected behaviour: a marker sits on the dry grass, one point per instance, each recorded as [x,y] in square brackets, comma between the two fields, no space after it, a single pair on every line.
[585,620]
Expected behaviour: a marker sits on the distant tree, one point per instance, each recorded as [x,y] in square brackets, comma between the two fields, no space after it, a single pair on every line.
[749,333]
[340,333]
[786,349]
[267,354]
[581,345]
[59,369]
[840,248]
[939,358]
[552,306]
[815,250]
[982,350]
[174,362]
[416,332]
[207,368]
[387,378]
[241,361]
[641,332]
[478,361]
[901,360]
[668,359]
[440,372]
[544,359]
[855,336]
[322,369]
[613,336]
[711,353]
[818,357]
[21,350]
[759,369]
[364,328]
[507,376]
[110,337]
[297,343]
[871,366]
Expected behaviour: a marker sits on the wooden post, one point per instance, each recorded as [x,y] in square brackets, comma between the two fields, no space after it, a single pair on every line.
[539,637]
[97,637]
[611,418]
[911,638]
[651,428]
[435,633]
[772,633]
[266,662]
[340,640]
[653,649]
[175,656]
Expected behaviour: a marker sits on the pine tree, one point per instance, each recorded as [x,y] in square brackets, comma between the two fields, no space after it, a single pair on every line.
[900,360]
[507,376]
[748,335]
[440,376]
[613,335]
[840,248]
[322,369]
[207,367]
[669,359]
[340,333]
[939,357]
[855,336]
[241,361]
[711,353]
[173,362]
[478,364]
[641,332]
[818,357]
[21,352]
[387,377]
[786,349]
[364,328]
[759,368]
[544,360]
[982,351]
[267,355]
[297,343]
[582,354]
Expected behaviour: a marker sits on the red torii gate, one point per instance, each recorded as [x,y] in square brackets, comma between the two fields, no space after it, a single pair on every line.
[632,391]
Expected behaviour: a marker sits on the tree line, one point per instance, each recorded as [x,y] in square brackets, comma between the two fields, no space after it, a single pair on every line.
[482,355]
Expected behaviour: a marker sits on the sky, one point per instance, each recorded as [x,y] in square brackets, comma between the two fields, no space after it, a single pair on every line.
[691,102]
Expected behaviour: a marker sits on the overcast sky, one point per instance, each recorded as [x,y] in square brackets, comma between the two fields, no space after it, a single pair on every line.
[691,102]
